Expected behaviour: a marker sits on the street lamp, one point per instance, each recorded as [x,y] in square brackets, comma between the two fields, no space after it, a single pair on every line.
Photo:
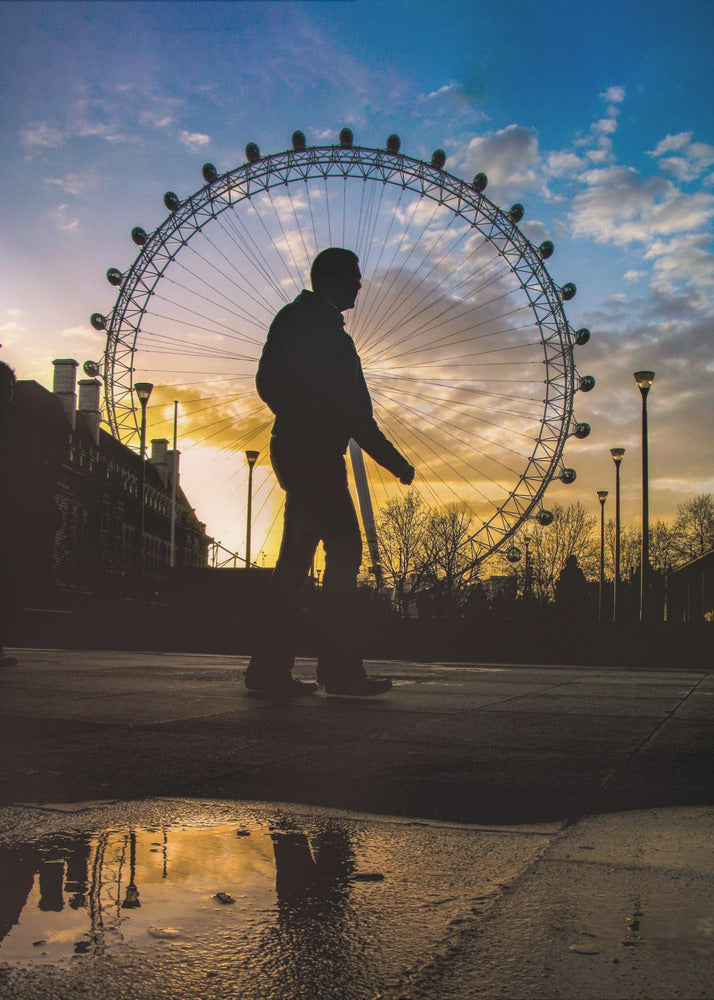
[644,382]
[143,391]
[252,458]
[617,456]
[602,497]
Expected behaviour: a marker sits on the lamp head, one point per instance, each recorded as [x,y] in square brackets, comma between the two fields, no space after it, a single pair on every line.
[143,391]
[644,382]
[617,455]
[252,457]
[602,496]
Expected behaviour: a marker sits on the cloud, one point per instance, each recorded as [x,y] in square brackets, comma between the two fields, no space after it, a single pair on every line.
[448,88]
[634,275]
[614,95]
[12,327]
[621,206]
[63,219]
[510,157]
[82,335]
[194,140]
[691,159]
[564,163]
[40,135]
[73,184]
[99,130]
[152,119]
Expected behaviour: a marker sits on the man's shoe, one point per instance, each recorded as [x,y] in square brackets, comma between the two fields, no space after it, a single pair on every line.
[358,687]
[279,687]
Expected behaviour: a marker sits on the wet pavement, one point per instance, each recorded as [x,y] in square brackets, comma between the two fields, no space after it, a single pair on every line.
[483,831]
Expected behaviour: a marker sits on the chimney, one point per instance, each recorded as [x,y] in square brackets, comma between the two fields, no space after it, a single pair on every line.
[160,459]
[65,386]
[89,405]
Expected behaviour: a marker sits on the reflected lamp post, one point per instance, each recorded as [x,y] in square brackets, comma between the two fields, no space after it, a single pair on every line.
[527,570]
[617,456]
[131,899]
[644,382]
[602,497]
[251,458]
[143,391]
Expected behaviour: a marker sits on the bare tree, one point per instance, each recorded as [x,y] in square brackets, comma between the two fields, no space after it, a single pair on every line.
[401,530]
[694,527]
[570,534]
[630,550]
[449,557]
[664,550]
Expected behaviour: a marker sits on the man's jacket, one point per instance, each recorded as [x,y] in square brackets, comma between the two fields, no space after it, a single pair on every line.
[311,377]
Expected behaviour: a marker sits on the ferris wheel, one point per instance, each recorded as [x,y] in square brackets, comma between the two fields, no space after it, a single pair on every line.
[462,332]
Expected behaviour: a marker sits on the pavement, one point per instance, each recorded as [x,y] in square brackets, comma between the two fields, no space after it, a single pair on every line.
[482,831]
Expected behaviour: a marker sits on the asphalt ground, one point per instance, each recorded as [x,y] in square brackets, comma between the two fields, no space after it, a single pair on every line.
[593,786]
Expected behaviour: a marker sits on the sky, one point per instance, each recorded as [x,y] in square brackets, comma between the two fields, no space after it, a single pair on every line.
[597,118]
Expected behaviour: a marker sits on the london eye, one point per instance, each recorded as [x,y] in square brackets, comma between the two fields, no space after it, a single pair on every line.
[462,332]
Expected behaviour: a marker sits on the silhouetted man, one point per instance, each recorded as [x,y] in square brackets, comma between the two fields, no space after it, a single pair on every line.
[311,378]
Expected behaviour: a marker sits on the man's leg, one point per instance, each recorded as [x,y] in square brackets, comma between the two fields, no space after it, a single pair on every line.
[339,666]
[274,656]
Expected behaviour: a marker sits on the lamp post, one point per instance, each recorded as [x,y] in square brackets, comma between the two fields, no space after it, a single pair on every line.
[602,497]
[143,391]
[617,456]
[527,571]
[252,458]
[644,382]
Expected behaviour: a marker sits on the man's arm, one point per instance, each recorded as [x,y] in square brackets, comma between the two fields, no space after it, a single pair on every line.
[370,438]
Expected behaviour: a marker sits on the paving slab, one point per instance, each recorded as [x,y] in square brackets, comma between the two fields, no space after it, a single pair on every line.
[617,907]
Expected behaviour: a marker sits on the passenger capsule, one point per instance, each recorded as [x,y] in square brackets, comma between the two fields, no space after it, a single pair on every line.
[438,159]
[582,431]
[568,476]
[545,518]
[582,336]
[98,321]
[480,182]
[514,554]
[567,292]
[545,250]
[346,138]
[210,174]
[394,143]
[114,276]
[587,382]
[252,153]
[298,140]
[515,213]
[171,201]
[91,369]
[139,236]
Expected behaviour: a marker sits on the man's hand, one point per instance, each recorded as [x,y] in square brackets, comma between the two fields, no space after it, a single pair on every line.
[407,477]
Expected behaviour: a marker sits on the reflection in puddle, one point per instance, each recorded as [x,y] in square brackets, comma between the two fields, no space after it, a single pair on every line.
[73,895]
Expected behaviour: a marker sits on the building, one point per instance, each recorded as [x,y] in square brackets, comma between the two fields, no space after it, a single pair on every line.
[690,591]
[70,499]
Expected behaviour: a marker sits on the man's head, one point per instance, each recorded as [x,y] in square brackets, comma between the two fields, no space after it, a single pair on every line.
[335,274]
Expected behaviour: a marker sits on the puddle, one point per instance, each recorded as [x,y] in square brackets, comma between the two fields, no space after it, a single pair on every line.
[177,899]
[83,894]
